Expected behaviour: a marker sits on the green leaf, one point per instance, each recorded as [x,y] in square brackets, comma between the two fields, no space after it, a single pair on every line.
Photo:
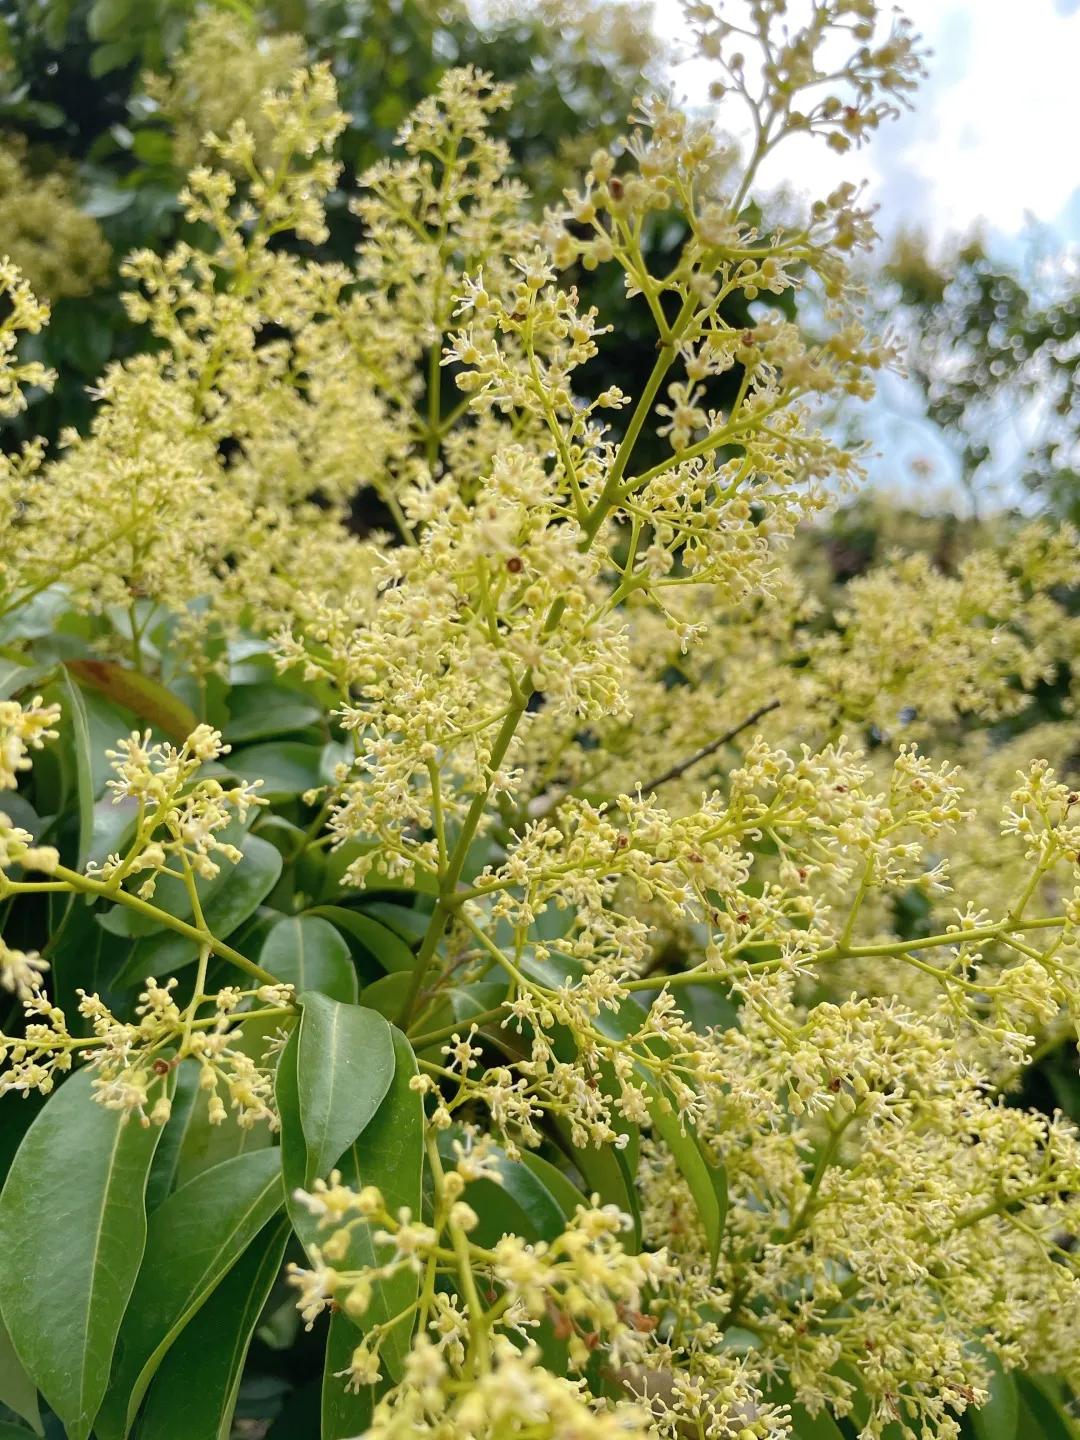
[606,1173]
[167,1156]
[194,1239]
[206,1146]
[813,1427]
[256,711]
[17,1391]
[344,1414]
[339,860]
[997,1419]
[152,147]
[387,949]
[106,58]
[16,677]
[804,1425]
[80,1236]
[388,994]
[247,885]
[294,1151]
[191,1144]
[563,1191]
[307,952]
[345,1063]
[706,1180]
[144,697]
[287,767]
[194,1392]
[410,924]
[84,767]
[107,18]
[113,825]
[388,1153]
[519,1203]
[171,896]
[1039,1414]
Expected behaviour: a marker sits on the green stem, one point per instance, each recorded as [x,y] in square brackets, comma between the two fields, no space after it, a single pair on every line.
[440,916]
[706,974]
[89,886]
[610,494]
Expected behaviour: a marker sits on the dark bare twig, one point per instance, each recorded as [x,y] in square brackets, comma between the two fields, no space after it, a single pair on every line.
[710,749]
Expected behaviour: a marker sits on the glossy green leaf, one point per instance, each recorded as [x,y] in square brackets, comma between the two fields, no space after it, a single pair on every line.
[207,1146]
[84,766]
[307,952]
[821,1426]
[103,721]
[144,697]
[82,956]
[605,1172]
[256,711]
[193,1395]
[1040,1414]
[107,18]
[339,860]
[386,948]
[388,995]
[345,1414]
[706,1180]
[295,1165]
[79,1236]
[112,827]
[562,1190]
[191,1144]
[411,924]
[194,1239]
[163,1171]
[389,1153]
[997,1419]
[286,767]
[345,1063]
[172,897]
[16,677]
[17,1391]
[804,1426]
[247,885]
[518,1203]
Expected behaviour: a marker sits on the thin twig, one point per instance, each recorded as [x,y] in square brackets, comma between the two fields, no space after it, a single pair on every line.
[710,749]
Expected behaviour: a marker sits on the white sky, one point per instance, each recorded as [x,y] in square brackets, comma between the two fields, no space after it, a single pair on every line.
[994,135]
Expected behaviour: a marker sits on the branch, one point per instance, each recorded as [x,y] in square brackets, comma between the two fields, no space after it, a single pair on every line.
[710,749]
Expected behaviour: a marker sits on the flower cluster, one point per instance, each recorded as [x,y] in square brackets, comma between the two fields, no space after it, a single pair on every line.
[24,313]
[220,78]
[179,817]
[698,927]
[58,248]
[23,728]
[581,1291]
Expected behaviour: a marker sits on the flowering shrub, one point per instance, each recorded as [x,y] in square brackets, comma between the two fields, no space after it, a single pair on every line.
[507,918]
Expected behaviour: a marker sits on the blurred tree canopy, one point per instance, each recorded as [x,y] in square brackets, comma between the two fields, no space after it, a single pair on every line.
[995,350]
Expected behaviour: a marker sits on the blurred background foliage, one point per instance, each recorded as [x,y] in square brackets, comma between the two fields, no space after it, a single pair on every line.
[995,352]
